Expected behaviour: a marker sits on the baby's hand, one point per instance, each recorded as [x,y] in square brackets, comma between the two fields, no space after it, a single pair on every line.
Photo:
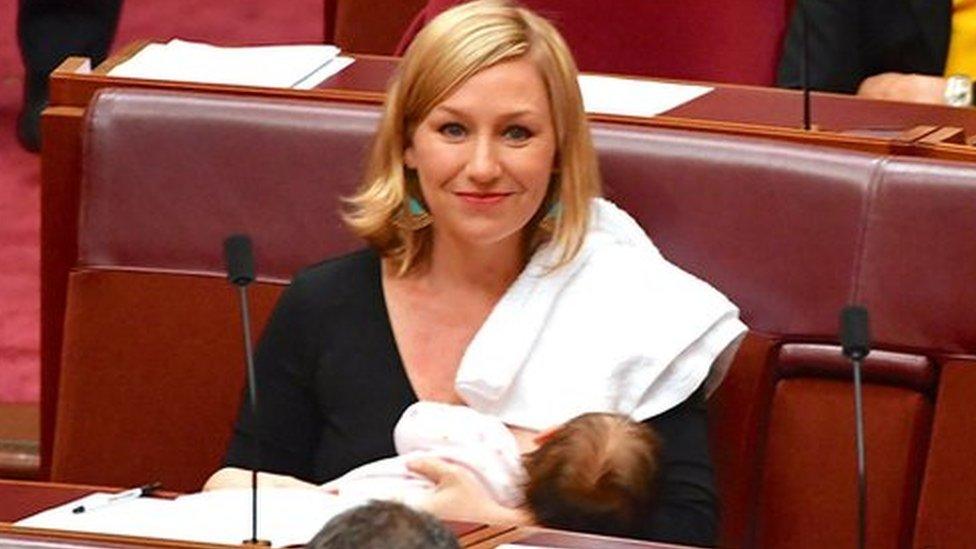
[458,495]
[329,488]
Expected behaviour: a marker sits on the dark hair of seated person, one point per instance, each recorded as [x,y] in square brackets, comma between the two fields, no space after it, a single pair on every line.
[384,525]
[596,473]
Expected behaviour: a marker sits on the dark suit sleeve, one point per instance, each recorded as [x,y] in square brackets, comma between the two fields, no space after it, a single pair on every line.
[835,44]
[686,510]
[287,407]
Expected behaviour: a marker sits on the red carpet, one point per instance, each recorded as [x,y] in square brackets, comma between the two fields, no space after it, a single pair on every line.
[226,23]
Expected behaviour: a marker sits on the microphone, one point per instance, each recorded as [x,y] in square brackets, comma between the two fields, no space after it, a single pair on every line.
[240,273]
[854,336]
[805,65]
[855,342]
[240,260]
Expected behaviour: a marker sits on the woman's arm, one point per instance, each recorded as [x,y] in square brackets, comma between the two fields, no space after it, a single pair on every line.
[686,507]
[234,477]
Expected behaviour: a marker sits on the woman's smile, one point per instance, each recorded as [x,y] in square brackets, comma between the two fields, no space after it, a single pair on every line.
[482,198]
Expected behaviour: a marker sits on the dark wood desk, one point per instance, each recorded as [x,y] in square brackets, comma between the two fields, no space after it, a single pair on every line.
[20,499]
[843,120]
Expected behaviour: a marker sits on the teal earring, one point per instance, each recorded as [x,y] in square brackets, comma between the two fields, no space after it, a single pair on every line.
[416,208]
[548,222]
[413,216]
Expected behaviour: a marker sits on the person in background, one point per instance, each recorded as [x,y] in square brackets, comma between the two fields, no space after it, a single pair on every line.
[885,49]
[48,31]
[384,525]
[495,277]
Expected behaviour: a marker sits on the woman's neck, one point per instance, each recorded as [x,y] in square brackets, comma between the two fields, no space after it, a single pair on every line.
[488,270]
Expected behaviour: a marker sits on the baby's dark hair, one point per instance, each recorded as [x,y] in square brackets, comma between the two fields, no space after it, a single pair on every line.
[596,473]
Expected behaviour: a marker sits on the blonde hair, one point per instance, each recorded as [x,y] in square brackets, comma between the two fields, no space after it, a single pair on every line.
[449,50]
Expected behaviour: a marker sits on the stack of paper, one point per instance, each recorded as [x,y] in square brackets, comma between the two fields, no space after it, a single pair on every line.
[285,516]
[299,67]
[632,97]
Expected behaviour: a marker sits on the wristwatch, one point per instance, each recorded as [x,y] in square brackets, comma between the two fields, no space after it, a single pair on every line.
[959,90]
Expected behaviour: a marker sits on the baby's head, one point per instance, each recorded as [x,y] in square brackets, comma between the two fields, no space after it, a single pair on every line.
[595,474]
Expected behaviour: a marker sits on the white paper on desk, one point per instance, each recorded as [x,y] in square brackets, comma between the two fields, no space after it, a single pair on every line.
[285,516]
[632,97]
[284,66]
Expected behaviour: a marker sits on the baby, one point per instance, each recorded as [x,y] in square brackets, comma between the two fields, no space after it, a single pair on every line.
[594,473]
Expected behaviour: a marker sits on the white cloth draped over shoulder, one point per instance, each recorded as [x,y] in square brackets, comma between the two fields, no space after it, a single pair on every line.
[618,329]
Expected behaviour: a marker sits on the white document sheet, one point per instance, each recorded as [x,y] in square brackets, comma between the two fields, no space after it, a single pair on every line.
[285,516]
[630,97]
[286,66]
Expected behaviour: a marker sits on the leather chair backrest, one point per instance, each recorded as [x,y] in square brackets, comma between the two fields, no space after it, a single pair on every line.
[152,357]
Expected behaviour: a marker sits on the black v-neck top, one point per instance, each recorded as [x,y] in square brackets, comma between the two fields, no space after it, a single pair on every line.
[331,387]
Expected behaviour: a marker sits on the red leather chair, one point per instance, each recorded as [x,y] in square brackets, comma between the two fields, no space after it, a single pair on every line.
[152,357]
[152,361]
[736,41]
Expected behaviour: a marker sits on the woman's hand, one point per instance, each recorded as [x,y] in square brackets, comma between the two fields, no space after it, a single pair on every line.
[458,495]
[893,86]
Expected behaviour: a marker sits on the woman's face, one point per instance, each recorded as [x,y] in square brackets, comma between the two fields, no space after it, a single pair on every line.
[485,155]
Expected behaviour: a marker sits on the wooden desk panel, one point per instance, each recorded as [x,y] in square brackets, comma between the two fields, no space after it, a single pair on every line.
[542,537]
[844,120]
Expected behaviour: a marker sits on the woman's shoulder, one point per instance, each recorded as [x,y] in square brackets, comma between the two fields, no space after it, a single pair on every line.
[355,263]
[338,277]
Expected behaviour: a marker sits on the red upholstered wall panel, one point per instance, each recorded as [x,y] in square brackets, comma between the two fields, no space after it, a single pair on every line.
[808,491]
[368,26]
[729,41]
[152,375]
[947,507]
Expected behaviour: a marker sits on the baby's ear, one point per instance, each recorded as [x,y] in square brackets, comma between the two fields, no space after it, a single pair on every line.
[544,436]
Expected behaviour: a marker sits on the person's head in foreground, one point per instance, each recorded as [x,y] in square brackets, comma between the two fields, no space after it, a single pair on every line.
[483,141]
[384,525]
[595,474]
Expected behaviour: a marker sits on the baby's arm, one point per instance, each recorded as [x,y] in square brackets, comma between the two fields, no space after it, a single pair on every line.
[458,495]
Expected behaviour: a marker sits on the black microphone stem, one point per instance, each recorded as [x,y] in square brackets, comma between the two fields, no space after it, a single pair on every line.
[805,71]
[855,339]
[862,487]
[253,394]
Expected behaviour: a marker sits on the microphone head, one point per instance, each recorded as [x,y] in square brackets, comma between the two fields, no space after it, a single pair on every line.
[855,339]
[240,260]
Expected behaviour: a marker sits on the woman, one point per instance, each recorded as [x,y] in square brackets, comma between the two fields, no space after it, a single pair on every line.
[480,208]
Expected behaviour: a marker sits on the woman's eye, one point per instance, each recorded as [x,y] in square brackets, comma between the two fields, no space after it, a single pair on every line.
[517,133]
[452,130]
